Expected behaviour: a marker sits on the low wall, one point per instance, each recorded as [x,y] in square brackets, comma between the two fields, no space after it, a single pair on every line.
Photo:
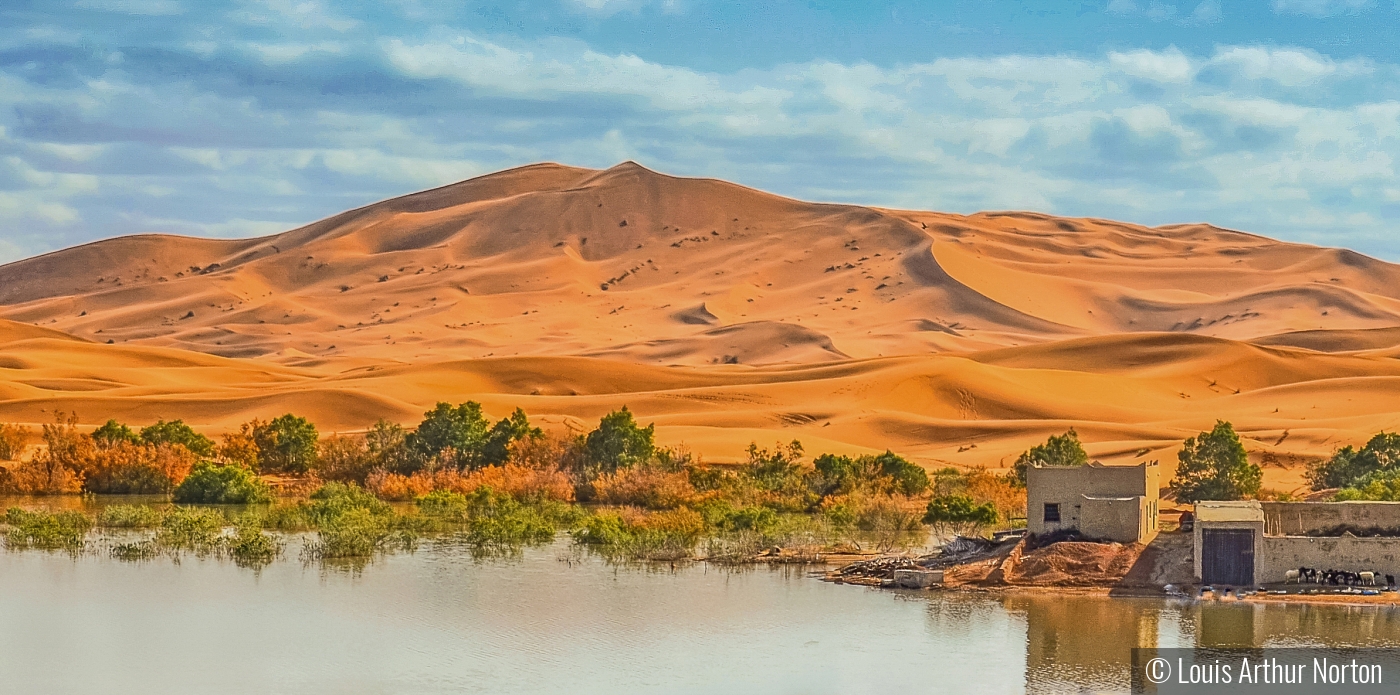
[1278,554]
[1123,520]
[1301,518]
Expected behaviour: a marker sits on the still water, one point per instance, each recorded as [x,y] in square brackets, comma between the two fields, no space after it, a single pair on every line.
[555,621]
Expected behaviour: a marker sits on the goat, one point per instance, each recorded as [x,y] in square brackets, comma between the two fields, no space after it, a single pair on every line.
[1292,577]
[1367,578]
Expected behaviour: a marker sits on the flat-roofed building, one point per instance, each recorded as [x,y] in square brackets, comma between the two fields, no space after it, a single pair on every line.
[1114,503]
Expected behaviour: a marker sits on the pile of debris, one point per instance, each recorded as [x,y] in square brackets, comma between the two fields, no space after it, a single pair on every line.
[881,571]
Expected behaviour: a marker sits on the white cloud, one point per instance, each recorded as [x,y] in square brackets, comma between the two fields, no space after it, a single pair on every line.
[1288,67]
[1167,66]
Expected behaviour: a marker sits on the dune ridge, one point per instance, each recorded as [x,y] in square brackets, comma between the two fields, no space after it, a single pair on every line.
[725,314]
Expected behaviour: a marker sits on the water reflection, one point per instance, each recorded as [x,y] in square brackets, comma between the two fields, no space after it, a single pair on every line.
[1082,643]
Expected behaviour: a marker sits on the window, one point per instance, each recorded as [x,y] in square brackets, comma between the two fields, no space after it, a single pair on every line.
[1052,512]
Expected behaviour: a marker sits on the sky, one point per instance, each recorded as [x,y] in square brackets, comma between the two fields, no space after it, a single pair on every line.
[234,118]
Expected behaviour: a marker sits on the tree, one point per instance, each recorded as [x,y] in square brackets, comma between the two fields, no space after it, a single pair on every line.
[1214,466]
[908,478]
[778,468]
[287,444]
[508,430]
[618,442]
[177,432]
[1378,486]
[461,428]
[1058,450]
[12,441]
[113,433]
[1348,465]
[388,447]
[887,472]
[959,514]
[239,448]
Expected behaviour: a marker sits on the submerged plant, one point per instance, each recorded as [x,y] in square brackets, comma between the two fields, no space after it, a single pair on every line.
[249,546]
[130,516]
[212,483]
[191,528]
[46,530]
[139,550]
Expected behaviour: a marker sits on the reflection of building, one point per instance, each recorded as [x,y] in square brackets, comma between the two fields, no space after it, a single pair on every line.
[1078,643]
[1253,543]
[1116,503]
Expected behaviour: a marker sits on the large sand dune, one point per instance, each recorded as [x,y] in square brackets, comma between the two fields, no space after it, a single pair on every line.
[726,315]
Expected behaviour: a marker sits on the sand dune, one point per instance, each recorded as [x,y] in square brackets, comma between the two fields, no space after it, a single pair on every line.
[726,315]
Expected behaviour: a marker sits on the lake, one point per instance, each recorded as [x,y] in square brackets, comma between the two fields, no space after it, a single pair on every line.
[557,621]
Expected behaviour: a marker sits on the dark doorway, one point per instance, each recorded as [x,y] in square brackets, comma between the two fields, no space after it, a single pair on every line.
[1227,557]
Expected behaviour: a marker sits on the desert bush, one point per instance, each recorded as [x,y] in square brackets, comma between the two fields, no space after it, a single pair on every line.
[885,473]
[45,530]
[644,486]
[135,551]
[345,458]
[239,448]
[959,514]
[177,432]
[517,481]
[459,431]
[1058,450]
[618,442]
[498,523]
[287,444]
[666,535]
[112,433]
[212,483]
[57,469]
[1348,465]
[1213,466]
[1378,486]
[12,439]
[1007,497]
[191,528]
[506,432]
[401,488]
[388,447]
[130,516]
[336,499]
[121,467]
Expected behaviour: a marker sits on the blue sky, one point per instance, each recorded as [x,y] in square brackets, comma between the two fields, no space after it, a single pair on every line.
[239,118]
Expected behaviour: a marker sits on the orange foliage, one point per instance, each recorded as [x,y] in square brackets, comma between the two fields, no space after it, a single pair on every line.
[126,468]
[239,447]
[57,469]
[511,479]
[645,487]
[1008,498]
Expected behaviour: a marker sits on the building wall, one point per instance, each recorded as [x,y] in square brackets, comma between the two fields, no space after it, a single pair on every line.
[1301,518]
[1126,520]
[1256,526]
[1069,486]
[1280,554]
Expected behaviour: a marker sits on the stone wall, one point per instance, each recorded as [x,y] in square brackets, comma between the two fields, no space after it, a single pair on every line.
[1282,553]
[1302,518]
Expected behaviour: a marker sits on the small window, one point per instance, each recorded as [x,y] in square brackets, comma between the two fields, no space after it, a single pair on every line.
[1052,512]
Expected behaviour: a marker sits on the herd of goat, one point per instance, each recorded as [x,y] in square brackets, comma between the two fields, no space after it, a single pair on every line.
[1309,575]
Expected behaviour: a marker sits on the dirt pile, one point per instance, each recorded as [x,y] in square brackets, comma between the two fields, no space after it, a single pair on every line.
[1074,563]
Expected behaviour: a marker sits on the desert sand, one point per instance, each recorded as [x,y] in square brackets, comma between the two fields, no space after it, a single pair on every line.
[725,315]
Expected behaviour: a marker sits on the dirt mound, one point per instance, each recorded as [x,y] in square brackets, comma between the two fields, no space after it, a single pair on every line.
[1074,563]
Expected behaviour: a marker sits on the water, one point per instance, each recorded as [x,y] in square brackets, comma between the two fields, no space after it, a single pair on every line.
[554,621]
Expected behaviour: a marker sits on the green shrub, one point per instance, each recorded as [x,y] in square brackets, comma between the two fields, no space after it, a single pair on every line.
[460,431]
[1376,486]
[960,514]
[192,528]
[333,500]
[249,546]
[113,432]
[357,533]
[1213,466]
[668,535]
[177,432]
[211,483]
[1058,450]
[618,442]
[497,522]
[287,444]
[46,530]
[444,503]
[130,516]
[1348,465]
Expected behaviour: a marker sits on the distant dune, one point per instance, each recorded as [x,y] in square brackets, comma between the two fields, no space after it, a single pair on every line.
[726,315]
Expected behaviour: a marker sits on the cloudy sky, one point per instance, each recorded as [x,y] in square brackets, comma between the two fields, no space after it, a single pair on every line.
[238,118]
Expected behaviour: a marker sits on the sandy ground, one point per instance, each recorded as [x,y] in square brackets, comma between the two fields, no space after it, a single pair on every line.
[725,315]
